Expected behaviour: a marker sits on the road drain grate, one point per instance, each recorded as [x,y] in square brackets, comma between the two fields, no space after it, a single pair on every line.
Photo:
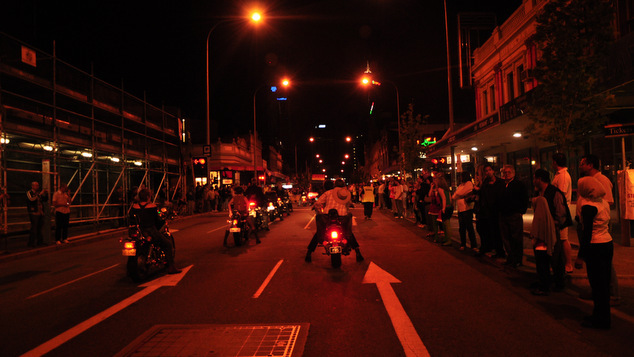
[220,340]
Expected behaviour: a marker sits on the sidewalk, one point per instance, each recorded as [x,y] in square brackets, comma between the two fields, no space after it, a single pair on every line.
[623,260]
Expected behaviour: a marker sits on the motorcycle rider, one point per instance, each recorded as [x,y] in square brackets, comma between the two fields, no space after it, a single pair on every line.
[240,204]
[150,223]
[338,198]
[255,193]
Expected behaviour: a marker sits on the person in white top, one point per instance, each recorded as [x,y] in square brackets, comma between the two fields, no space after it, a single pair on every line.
[464,198]
[589,166]
[381,194]
[563,182]
[61,202]
[596,249]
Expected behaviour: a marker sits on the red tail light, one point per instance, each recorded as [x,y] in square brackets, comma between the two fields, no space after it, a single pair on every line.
[235,222]
[334,235]
[251,204]
[134,233]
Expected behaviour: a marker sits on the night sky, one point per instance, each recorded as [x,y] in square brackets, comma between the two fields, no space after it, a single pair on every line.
[158,47]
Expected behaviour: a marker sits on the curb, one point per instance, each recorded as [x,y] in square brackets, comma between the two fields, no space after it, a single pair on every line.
[80,240]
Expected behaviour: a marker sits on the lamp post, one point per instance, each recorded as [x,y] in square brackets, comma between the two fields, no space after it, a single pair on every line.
[398,122]
[255,17]
[367,80]
[285,82]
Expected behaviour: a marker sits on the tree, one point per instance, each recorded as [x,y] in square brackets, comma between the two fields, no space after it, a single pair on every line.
[573,37]
[412,133]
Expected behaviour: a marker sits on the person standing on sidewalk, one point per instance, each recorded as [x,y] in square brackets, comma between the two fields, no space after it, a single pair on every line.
[462,197]
[488,213]
[563,182]
[34,201]
[513,205]
[381,194]
[61,202]
[596,249]
[589,166]
[367,197]
[561,218]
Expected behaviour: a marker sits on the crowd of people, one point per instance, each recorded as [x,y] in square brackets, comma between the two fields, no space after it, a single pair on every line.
[499,203]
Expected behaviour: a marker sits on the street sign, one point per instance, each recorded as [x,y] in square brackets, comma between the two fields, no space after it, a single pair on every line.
[207,150]
[618,130]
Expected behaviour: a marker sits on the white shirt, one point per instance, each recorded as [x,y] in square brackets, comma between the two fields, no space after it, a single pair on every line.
[607,184]
[463,189]
[563,182]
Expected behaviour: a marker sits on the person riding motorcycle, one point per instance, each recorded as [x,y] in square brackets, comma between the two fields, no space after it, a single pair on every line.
[255,193]
[240,204]
[338,198]
[150,223]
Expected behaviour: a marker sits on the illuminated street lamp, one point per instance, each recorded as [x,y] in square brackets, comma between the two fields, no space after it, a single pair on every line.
[348,139]
[255,18]
[285,83]
[346,156]
[317,156]
[311,139]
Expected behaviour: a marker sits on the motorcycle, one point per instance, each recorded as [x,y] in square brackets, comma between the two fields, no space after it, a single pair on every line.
[273,208]
[144,256]
[239,228]
[285,206]
[258,216]
[335,241]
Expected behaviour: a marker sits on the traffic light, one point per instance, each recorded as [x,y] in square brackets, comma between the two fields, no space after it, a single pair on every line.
[200,166]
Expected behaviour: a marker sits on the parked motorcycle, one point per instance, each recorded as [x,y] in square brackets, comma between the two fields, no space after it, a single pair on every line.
[144,256]
[335,241]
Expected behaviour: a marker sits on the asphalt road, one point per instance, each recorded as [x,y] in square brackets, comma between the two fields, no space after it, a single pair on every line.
[447,302]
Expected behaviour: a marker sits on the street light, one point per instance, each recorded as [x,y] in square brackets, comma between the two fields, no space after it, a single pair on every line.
[285,83]
[367,80]
[255,17]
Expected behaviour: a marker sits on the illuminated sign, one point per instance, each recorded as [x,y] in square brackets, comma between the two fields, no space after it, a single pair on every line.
[428,141]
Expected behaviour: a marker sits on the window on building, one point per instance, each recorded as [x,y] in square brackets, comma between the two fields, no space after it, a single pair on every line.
[492,95]
[521,73]
[510,86]
[485,102]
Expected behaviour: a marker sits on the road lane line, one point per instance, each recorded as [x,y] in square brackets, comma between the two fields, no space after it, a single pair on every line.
[309,222]
[267,280]
[48,346]
[70,282]
[213,230]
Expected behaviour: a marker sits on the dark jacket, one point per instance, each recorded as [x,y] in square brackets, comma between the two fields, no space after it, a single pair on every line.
[558,207]
[514,198]
[490,194]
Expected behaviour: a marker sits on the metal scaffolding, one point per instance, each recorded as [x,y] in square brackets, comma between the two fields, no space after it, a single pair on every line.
[59,124]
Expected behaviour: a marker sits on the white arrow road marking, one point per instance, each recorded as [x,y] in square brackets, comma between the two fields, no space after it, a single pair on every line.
[267,280]
[167,280]
[403,326]
[72,281]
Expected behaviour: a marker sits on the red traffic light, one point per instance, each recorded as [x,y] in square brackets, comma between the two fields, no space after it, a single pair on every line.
[200,160]
[434,161]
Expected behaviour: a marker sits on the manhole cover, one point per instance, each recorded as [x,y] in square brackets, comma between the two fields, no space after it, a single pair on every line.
[220,340]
